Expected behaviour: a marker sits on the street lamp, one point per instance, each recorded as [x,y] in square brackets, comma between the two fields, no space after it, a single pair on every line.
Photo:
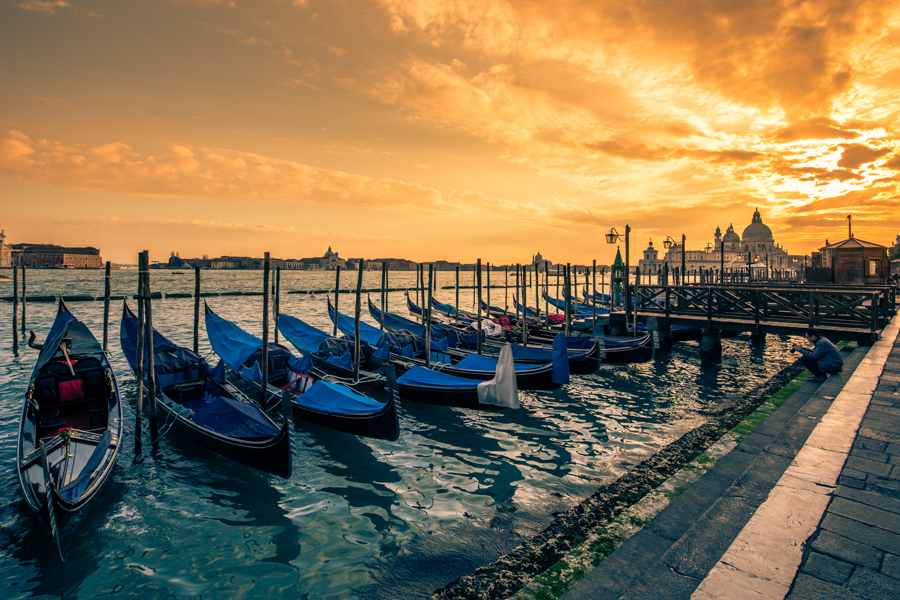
[668,244]
[611,238]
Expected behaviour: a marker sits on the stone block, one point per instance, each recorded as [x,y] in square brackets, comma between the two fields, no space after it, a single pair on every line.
[890,566]
[870,584]
[862,533]
[893,449]
[869,466]
[847,550]
[886,436]
[659,581]
[700,549]
[872,499]
[868,455]
[827,568]
[864,443]
[807,587]
[851,482]
[867,514]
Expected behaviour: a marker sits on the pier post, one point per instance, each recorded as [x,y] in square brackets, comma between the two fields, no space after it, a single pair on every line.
[428,319]
[457,291]
[537,297]
[15,314]
[488,288]
[197,309]
[506,288]
[277,307]
[710,347]
[24,300]
[518,288]
[383,292]
[356,343]
[337,288]
[478,293]
[150,359]
[139,371]
[523,295]
[264,367]
[106,290]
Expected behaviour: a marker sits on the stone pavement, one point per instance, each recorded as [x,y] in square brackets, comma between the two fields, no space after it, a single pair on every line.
[855,552]
[807,506]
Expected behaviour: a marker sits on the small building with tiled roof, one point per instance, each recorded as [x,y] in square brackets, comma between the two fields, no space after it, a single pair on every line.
[854,261]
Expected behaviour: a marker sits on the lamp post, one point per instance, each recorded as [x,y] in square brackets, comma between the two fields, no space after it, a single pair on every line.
[667,243]
[611,238]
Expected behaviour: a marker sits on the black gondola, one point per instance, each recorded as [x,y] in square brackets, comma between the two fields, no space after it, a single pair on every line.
[216,414]
[71,428]
[327,403]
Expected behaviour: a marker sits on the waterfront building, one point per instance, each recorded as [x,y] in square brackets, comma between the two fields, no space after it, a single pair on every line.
[5,252]
[51,256]
[755,246]
[854,261]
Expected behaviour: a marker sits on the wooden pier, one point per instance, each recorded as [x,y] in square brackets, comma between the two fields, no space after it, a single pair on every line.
[852,313]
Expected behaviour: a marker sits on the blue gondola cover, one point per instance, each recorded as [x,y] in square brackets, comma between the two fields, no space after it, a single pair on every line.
[234,419]
[422,376]
[560,360]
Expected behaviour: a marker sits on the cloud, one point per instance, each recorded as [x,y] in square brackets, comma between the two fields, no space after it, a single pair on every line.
[186,171]
[814,129]
[47,6]
[856,155]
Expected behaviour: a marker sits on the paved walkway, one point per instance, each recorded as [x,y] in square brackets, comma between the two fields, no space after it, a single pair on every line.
[807,506]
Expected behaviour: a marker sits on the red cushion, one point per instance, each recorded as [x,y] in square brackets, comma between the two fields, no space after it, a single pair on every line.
[70,390]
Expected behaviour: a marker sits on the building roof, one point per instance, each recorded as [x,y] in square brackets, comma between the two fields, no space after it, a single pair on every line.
[852,243]
[731,237]
[757,231]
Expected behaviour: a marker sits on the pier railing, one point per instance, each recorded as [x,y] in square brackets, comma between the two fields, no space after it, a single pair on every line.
[846,312]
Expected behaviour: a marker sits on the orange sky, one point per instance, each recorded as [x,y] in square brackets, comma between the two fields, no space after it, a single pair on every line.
[444,129]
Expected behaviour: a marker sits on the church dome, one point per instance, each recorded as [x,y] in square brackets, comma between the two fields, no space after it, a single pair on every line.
[756,231]
[731,237]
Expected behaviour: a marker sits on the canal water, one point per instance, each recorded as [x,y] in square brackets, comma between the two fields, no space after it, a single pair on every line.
[358,518]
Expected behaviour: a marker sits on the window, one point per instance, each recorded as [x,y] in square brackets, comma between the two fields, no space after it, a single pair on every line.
[873,266]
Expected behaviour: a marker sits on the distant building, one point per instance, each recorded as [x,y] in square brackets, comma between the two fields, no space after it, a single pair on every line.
[541,263]
[757,246]
[329,262]
[5,253]
[51,256]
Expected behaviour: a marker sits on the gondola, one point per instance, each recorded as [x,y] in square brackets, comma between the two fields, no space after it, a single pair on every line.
[418,384]
[583,352]
[446,359]
[332,405]
[71,428]
[215,414]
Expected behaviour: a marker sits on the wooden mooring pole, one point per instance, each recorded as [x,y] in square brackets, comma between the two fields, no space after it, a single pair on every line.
[139,371]
[277,307]
[264,384]
[457,291]
[197,309]
[16,310]
[106,292]
[383,291]
[337,288]
[24,300]
[428,320]
[150,360]
[523,295]
[478,294]
[356,344]
[594,297]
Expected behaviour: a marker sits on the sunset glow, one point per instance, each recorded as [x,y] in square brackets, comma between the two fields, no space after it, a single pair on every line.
[445,129]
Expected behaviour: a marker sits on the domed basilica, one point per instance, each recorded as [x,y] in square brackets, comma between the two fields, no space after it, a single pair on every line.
[756,239]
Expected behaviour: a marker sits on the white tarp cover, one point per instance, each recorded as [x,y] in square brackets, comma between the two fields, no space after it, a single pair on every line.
[502,389]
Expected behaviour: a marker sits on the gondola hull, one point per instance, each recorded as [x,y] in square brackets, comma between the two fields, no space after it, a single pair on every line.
[180,400]
[68,445]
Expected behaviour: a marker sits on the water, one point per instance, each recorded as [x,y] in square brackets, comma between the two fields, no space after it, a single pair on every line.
[359,518]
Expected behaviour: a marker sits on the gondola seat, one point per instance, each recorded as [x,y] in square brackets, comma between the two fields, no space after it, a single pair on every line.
[78,401]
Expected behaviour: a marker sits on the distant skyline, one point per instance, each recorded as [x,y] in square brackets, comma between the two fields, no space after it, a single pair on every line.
[444,129]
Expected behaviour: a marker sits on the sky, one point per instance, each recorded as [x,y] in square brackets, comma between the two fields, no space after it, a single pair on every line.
[445,129]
